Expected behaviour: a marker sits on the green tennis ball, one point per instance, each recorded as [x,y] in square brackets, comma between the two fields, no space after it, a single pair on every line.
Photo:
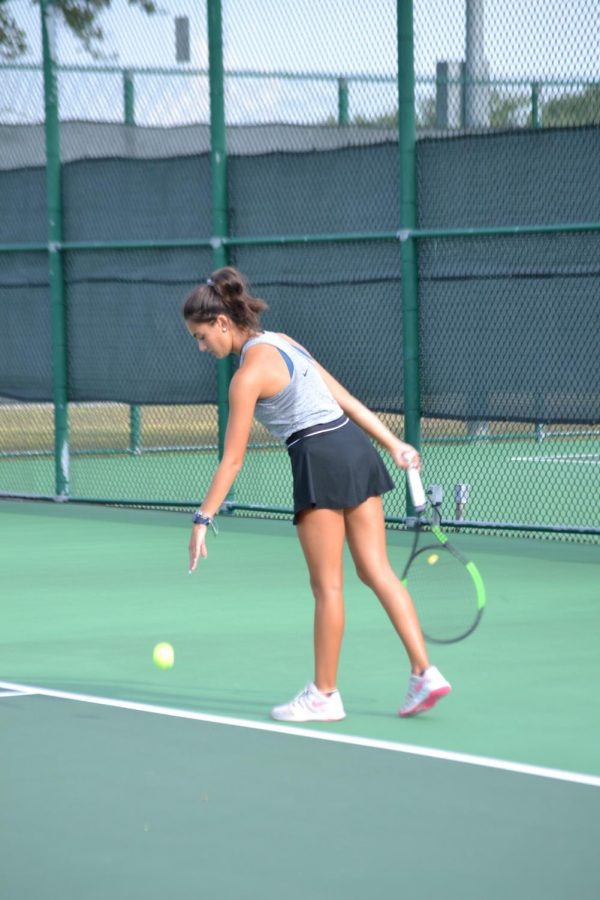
[163,655]
[432,559]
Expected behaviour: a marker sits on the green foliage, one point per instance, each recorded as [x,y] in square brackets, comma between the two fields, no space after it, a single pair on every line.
[508,110]
[582,108]
[12,39]
[513,111]
[81,16]
[387,120]
[425,117]
[569,109]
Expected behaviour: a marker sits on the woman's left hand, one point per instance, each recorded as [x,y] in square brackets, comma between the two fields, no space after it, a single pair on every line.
[197,545]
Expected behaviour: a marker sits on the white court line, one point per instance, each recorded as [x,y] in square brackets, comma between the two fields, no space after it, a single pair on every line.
[372,743]
[583,459]
[17,693]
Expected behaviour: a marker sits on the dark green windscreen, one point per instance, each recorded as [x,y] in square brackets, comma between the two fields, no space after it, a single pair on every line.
[509,324]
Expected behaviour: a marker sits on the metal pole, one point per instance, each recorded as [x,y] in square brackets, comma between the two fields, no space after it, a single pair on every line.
[182,39]
[476,114]
[343,102]
[535,104]
[135,429]
[129,97]
[476,74]
[57,292]
[408,220]
[449,87]
[135,412]
[218,168]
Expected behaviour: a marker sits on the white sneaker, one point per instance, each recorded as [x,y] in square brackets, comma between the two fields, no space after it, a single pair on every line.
[424,691]
[310,705]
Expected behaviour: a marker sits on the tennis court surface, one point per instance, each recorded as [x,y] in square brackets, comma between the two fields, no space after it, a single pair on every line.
[120,780]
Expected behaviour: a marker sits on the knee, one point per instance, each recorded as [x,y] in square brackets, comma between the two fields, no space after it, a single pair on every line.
[324,590]
[365,574]
[372,573]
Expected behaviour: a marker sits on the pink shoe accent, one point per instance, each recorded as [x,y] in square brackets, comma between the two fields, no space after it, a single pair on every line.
[433,698]
[428,702]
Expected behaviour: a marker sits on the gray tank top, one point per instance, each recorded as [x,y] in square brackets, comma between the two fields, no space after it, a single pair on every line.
[305,401]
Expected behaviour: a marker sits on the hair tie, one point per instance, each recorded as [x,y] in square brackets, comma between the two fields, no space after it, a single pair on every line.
[210,282]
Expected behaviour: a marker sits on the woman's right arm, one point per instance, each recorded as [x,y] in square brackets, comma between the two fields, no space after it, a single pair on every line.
[244,391]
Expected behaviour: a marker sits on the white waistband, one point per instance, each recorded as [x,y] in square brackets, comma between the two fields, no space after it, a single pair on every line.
[315,433]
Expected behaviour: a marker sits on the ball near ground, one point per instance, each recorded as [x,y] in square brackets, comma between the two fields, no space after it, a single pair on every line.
[432,559]
[163,655]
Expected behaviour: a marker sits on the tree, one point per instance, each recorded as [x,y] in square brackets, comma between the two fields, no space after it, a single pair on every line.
[582,108]
[569,109]
[509,111]
[12,39]
[81,16]
[425,117]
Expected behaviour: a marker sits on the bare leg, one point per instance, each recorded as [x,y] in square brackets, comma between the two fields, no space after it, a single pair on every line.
[321,533]
[365,531]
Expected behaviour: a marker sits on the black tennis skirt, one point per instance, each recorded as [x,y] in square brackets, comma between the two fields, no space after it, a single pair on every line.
[335,466]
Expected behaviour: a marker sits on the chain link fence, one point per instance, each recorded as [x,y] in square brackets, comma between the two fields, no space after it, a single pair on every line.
[506,233]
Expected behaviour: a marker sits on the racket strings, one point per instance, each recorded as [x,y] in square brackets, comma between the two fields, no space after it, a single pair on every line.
[444,594]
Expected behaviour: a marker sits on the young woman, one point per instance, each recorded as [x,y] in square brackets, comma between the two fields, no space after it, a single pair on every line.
[338,480]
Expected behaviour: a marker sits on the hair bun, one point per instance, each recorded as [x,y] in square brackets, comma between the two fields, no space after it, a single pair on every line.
[234,287]
[225,291]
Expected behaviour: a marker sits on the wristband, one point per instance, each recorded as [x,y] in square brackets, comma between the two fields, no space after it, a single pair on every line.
[201,518]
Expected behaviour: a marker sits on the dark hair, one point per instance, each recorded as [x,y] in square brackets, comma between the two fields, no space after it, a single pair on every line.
[224,293]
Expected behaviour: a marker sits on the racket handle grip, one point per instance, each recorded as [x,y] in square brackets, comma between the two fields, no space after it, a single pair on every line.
[416,489]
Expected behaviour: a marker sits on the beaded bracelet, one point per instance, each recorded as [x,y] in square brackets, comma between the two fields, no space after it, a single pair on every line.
[201,518]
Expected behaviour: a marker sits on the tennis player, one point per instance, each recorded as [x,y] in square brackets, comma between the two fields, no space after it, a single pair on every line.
[338,479]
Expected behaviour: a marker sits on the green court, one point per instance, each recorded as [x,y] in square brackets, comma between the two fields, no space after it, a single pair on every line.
[120,780]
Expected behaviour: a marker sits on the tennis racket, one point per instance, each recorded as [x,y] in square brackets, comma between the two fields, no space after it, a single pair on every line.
[447,589]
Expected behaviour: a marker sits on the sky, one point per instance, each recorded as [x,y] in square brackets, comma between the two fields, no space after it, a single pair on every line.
[522,38]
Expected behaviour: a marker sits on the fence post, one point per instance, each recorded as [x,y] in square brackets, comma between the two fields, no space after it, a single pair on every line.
[55,262]
[535,104]
[477,100]
[408,219]
[135,411]
[343,102]
[449,82]
[129,97]
[218,170]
